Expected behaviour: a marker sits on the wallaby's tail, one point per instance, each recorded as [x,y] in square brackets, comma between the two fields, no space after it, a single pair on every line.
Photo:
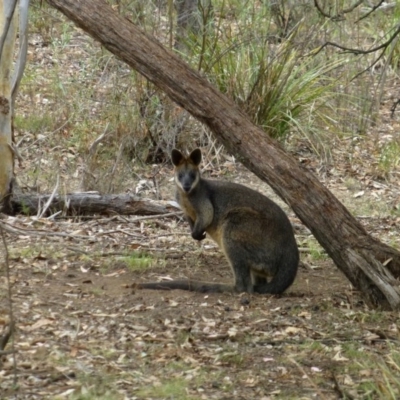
[193,286]
[284,277]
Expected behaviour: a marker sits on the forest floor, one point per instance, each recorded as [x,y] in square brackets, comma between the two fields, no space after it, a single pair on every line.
[83,331]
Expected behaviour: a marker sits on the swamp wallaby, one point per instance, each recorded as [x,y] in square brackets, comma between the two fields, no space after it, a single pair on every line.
[253,231]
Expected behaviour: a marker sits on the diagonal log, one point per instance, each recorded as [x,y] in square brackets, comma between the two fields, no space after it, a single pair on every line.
[353,250]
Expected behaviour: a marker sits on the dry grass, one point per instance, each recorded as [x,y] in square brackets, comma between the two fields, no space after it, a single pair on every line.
[86,94]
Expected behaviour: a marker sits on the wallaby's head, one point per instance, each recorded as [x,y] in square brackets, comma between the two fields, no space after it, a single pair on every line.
[187,173]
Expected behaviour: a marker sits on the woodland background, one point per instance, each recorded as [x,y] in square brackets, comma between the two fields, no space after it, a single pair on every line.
[86,120]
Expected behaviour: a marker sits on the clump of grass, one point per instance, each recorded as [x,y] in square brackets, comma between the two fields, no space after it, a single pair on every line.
[279,84]
[389,157]
[95,388]
[99,385]
[139,261]
[174,388]
[93,394]
[233,359]
[384,380]
[315,251]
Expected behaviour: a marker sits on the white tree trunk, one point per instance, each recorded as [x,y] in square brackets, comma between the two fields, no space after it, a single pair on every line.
[9,82]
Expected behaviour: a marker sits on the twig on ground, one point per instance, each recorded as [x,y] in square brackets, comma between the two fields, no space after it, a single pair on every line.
[75,250]
[49,200]
[29,232]
[171,214]
[342,393]
[93,146]
[119,231]
[301,369]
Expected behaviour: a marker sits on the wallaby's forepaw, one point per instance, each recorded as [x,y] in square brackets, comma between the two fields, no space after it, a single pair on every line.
[198,236]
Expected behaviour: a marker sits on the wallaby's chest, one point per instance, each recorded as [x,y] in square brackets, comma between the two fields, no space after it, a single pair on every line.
[187,207]
[216,234]
[197,206]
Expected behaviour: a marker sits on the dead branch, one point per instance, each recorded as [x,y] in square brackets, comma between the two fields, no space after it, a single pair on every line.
[89,203]
[373,8]
[338,16]
[351,50]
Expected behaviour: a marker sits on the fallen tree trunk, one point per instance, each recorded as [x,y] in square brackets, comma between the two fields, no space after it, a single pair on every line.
[89,203]
[370,265]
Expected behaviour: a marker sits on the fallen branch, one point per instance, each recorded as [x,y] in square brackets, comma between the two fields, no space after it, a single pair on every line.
[89,203]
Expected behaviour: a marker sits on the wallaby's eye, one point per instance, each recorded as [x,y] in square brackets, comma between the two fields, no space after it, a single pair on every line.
[192,176]
[180,175]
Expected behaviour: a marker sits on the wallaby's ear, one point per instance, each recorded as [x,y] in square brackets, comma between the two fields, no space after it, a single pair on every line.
[195,157]
[176,157]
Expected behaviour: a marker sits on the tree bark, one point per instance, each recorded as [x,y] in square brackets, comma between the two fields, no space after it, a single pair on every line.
[8,33]
[370,265]
[89,203]
[13,18]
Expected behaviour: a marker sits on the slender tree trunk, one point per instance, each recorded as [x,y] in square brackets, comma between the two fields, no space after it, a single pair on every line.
[370,265]
[13,18]
[8,32]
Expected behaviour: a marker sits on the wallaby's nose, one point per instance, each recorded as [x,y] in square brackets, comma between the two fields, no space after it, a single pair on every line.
[187,187]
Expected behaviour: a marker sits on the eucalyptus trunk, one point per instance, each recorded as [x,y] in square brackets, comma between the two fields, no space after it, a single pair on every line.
[13,19]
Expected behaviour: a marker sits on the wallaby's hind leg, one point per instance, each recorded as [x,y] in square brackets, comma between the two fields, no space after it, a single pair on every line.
[239,263]
[250,249]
